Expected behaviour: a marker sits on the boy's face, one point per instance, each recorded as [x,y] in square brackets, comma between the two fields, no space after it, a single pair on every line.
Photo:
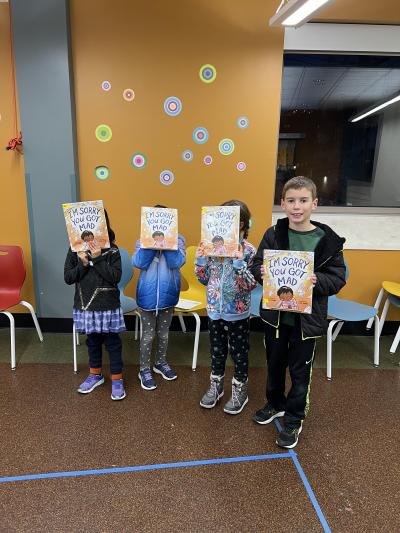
[218,244]
[159,239]
[89,238]
[298,205]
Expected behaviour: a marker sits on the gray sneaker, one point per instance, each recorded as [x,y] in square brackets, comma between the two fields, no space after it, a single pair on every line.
[214,393]
[238,399]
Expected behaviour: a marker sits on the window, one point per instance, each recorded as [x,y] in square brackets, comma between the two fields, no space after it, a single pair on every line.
[352,163]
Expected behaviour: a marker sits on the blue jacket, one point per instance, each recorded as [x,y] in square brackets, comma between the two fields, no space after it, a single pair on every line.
[159,281]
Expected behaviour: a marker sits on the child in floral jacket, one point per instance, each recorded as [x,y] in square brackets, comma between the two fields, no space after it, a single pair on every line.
[229,284]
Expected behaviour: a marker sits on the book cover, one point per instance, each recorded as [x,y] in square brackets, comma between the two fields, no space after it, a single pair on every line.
[220,230]
[159,228]
[86,222]
[287,285]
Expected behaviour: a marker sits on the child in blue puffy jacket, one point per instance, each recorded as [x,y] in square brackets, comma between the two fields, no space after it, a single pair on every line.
[157,294]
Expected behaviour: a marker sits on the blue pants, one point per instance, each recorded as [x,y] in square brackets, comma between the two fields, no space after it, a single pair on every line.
[113,345]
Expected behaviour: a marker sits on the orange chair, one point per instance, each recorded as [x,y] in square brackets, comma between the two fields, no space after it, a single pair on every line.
[12,277]
[194,297]
[391,292]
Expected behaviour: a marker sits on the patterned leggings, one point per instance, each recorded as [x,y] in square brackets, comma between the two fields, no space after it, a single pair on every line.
[154,325]
[232,336]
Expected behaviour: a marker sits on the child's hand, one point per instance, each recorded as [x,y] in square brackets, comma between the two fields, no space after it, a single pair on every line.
[95,251]
[314,279]
[200,250]
[263,271]
[239,253]
[83,257]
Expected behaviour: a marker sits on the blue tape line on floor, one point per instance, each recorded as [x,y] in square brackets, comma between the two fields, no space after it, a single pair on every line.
[307,486]
[143,467]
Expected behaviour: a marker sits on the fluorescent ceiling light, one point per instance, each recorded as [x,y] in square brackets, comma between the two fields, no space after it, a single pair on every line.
[374,109]
[294,13]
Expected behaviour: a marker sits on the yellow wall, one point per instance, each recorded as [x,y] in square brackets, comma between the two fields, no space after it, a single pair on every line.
[156,48]
[14,226]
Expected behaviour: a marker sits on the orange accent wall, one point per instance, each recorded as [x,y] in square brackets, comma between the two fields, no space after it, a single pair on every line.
[156,48]
[14,225]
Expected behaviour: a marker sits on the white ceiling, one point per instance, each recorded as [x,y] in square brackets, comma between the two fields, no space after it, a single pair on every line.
[346,87]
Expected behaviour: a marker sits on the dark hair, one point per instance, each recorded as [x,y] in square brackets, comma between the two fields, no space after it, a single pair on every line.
[111,233]
[217,238]
[158,234]
[87,233]
[245,215]
[161,206]
[284,290]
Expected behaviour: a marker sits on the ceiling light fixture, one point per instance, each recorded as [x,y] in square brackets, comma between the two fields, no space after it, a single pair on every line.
[375,108]
[294,13]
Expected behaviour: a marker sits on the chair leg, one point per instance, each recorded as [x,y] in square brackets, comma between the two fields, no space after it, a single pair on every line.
[332,324]
[337,330]
[196,340]
[78,342]
[376,305]
[12,337]
[376,341]
[396,341]
[383,315]
[136,325]
[35,320]
[182,322]
[74,343]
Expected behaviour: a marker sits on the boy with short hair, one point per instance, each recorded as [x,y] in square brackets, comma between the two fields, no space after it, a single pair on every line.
[290,338]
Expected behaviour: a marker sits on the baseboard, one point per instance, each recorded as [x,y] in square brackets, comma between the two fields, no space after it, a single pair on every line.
[64,325]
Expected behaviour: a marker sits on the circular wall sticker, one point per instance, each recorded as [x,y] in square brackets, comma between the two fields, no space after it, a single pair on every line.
[139,160]
[128,95]
[172,106]
[166,177]
[187,155]
[226,146]
[106,85]
[242,122]
[208,160]
[102,172]
[241,166]
[208,73]
[200,135]
[103,133]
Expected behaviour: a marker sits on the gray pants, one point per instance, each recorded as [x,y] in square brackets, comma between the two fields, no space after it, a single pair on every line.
[154,326]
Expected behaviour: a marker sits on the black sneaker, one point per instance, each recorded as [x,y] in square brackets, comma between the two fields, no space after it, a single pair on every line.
[266,414]
[288,437]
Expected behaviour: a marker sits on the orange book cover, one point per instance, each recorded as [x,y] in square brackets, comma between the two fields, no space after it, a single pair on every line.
[287,285]
[220,230]
[159,228]
[85,222]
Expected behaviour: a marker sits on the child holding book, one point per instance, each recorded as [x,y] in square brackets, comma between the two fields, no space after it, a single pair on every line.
[97,309]
[229,283]
[157,294]
[290,337]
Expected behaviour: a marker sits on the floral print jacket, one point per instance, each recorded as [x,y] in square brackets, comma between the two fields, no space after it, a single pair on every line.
[229,284]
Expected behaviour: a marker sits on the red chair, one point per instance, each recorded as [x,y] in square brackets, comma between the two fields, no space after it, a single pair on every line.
[12,277]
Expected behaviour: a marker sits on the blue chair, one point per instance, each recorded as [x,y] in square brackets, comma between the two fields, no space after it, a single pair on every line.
[256,296]
[128,304]
[342,311]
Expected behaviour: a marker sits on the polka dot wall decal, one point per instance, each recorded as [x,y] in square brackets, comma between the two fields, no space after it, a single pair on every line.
[242,122]
[187,155]
[128,95]
[226,146]
[172,106]
[166,177]
[241,166]
[139,160]
[208,160]
[103,133]
[102,172]
[208,73]
[106,85]
[200,135]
